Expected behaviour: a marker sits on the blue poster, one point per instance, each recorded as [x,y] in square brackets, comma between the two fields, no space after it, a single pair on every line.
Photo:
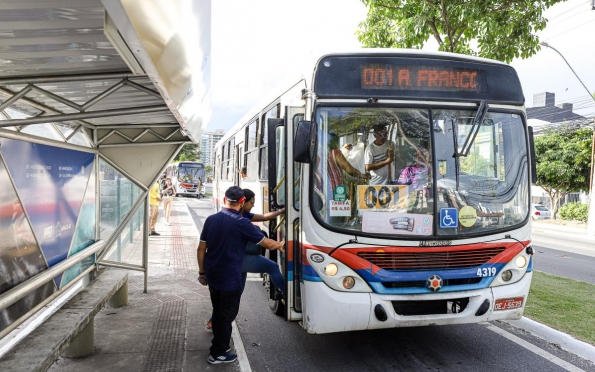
[51,182]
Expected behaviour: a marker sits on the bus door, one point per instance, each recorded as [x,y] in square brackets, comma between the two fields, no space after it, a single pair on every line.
[284,181]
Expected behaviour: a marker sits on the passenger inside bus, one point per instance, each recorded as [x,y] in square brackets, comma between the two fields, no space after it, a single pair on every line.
[379,156]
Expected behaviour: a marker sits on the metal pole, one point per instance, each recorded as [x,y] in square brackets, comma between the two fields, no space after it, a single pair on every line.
[146,244]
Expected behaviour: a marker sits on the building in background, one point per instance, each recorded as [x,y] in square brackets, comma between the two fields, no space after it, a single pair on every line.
[545,115]
[207,145]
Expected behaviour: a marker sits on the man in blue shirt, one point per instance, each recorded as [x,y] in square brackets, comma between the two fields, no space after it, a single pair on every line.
[226,234]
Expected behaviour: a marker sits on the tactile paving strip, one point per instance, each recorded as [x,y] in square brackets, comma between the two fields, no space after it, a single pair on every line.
[167,339]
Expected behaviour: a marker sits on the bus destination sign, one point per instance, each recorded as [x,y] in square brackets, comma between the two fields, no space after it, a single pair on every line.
[416,77]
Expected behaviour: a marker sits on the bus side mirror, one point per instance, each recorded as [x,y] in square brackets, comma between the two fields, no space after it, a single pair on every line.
[305,142]
[532,156]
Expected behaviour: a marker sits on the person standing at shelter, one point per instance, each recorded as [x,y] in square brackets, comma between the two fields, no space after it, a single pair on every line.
[226,234]
[168,193]
[154,200]
[379,156]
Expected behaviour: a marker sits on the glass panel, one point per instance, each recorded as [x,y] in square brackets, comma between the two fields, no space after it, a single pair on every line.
[79,139]
[117,195]
[297,168]
[264,163]
[251,140]
[20,256]
[488,189]
[84,235]
[252,165]
[128,247]
[280,173]
[373,172]
[43,130]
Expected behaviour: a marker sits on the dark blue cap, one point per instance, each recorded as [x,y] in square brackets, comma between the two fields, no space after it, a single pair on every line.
[234,194]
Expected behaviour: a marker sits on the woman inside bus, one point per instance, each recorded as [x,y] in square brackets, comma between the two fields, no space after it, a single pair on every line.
[253,261]
[168,194]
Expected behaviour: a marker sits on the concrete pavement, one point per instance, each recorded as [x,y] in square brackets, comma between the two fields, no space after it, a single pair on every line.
[164,330]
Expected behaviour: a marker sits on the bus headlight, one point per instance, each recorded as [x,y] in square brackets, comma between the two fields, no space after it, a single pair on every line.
[348,282]
[506,275]
[331,269]
[334,273]
[521,261]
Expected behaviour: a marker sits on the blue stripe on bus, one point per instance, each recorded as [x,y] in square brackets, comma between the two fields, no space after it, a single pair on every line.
[530,267]
[395,276]
[308,273]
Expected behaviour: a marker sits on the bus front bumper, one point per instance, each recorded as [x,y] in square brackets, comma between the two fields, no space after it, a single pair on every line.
[327,310]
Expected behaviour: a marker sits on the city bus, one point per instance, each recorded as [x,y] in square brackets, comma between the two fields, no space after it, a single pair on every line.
[405,178]
[186,176]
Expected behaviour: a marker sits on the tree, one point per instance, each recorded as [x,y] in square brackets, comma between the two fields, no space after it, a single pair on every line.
[563,163]
[500,29]
[209,168]
[188,153]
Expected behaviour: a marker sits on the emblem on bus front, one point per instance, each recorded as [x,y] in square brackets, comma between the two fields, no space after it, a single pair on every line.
[434,283]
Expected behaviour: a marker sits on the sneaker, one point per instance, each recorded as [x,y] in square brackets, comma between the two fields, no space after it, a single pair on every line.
[154,233]
[210,323]
[167,223]
[225,358]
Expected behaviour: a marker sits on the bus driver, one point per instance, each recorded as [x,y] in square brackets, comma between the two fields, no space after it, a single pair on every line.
[379,155]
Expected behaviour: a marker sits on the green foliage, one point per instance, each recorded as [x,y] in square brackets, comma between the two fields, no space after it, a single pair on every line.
[208,168]
[563,163]
[502,30]
[564,160]
[188,153]
[574,212]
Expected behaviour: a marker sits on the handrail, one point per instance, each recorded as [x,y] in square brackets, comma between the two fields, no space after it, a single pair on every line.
[20,291]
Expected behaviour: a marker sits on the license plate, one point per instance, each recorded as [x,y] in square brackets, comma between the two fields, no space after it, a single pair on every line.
[508,303]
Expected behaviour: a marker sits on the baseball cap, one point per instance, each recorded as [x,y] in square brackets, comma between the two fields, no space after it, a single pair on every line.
[234,194]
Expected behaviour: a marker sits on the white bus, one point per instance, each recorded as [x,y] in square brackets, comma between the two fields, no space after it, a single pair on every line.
[186,177]
[406,181]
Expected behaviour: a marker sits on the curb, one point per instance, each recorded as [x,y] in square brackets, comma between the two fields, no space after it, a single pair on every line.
[553,336]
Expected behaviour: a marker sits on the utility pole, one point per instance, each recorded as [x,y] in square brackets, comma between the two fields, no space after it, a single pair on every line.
[591,219]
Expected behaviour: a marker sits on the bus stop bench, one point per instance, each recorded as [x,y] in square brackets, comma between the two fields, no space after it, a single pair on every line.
[71,329]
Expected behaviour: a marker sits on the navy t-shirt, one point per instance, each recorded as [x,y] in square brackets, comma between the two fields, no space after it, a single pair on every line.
[226,234]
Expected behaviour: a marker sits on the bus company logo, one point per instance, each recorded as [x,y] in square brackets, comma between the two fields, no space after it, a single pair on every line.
[434,283]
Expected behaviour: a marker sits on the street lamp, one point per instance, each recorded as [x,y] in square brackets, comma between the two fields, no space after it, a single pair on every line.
[591,219]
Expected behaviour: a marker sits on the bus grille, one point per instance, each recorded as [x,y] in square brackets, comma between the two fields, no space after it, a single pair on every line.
[430,260]
[423,284]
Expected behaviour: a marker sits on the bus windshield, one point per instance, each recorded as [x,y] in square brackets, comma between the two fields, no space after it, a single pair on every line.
[190,173]
[400,171]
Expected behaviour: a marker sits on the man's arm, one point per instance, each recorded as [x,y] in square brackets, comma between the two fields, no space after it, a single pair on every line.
[267,216]
[374,166]
[200,255]
[271,244]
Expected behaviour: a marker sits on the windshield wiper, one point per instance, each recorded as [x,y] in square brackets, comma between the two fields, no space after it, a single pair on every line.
[477,121]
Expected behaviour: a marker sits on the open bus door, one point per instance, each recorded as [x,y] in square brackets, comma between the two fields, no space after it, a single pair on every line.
[284,186]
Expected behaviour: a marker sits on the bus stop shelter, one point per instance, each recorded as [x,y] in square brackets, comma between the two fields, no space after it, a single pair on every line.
[96,98]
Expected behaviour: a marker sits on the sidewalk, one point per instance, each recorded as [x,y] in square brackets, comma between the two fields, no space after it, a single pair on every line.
[164,329]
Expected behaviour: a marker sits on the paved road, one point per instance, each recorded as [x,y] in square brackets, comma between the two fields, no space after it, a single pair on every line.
[564,254]
[273,344]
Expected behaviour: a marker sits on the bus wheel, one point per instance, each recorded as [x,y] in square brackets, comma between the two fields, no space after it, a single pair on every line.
[276,306]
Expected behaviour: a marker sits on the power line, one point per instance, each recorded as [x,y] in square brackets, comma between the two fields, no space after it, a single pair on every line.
[550,23]
[586,2]
[561,33]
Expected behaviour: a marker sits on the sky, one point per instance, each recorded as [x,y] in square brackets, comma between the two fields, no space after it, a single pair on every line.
[257,43]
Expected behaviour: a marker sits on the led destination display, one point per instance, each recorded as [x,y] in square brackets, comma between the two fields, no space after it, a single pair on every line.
[376,76]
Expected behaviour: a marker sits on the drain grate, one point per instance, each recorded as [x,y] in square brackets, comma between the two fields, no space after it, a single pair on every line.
[167,339]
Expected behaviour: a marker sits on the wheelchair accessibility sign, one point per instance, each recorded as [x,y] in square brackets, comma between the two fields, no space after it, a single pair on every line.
[449,217]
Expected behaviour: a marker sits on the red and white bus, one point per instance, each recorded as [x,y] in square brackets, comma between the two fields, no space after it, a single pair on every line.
[436,233]
[187,177]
